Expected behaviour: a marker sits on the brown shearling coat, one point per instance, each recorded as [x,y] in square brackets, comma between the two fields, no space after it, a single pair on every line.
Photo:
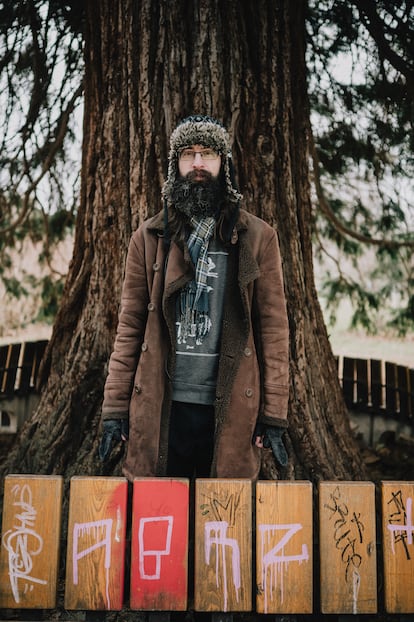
[252,381]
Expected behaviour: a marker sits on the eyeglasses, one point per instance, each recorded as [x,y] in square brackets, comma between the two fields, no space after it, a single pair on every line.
[190,154]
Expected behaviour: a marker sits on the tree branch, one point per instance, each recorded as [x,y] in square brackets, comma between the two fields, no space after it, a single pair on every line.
[374,25]
[53,148]
[339,226]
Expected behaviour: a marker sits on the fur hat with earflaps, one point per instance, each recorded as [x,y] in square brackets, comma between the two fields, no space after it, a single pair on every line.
[206,131]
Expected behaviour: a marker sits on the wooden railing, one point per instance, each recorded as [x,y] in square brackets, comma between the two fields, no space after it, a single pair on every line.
[368,385]
[377,386]
[19,367]
[276,542]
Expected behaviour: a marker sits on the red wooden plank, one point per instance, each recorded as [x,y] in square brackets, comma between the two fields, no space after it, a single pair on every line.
[159,544]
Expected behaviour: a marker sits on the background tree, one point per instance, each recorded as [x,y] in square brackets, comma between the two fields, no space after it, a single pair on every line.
[147,65]
[360,72]
[361,79]
[40,91]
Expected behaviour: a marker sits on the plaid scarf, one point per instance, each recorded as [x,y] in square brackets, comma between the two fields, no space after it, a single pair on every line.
[193,310]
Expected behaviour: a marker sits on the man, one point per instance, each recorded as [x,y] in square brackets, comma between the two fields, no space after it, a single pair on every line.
[200,363]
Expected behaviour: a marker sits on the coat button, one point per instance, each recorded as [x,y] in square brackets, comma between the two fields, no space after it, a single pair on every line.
[151,306]
[138,389]
[248,392]
[144,347]
[247,352]
[156,267]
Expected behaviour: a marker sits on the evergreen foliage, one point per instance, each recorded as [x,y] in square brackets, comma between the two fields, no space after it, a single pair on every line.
[361,87]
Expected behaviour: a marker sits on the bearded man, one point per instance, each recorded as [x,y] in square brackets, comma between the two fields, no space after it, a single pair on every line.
[198,378]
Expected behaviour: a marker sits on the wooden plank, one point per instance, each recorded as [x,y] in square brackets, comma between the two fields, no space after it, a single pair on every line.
[12,365]
[348,381]
[4,353]
[29,555]
[403,379]
[159,544]
[398,546]
[411,392]
[223,543]
[362,382]
[284,547]
[376,385]
[347,547]
[95,559]
[391,388]
[25,381]
[40,350]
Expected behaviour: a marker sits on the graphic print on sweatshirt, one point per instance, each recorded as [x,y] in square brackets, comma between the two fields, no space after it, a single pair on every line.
[197,358]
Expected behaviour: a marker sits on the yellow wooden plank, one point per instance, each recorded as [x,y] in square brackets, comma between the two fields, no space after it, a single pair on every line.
[29,553]
[95,559]
[347,547]
[398,549]
[284,547]
[223,543]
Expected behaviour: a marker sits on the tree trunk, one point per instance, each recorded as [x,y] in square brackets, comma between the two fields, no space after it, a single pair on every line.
[148,64]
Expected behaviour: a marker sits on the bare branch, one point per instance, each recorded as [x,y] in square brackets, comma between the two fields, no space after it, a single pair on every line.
[52,150]
[339,226]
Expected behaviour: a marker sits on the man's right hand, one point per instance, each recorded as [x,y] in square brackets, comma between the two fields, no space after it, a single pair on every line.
[114,431]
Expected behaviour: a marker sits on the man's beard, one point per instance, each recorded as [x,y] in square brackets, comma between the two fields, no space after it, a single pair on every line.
[198,197]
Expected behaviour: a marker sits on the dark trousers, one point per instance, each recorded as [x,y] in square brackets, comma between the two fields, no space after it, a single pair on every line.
[191,440]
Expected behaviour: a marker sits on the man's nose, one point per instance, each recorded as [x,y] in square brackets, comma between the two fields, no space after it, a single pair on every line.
[198,161]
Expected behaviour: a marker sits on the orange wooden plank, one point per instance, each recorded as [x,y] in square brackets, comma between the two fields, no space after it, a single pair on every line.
[159,544]
[284,547]
[223,543]
[347,547]
[29,553]
[398,545]
[95,558]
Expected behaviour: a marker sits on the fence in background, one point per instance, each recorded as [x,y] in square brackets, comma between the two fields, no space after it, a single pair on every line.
[378,386]
[373,387]
[19,367]
[292,543]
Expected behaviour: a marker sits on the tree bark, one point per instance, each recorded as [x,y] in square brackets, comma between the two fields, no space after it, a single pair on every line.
[148,64]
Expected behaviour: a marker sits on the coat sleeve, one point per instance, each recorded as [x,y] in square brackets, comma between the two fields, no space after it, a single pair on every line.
[130,333]
[272,335]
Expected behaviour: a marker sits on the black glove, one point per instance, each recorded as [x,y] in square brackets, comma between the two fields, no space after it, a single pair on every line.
[114,430]
[273,439]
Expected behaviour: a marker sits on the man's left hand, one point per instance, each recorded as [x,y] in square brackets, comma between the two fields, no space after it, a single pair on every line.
[271,436]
